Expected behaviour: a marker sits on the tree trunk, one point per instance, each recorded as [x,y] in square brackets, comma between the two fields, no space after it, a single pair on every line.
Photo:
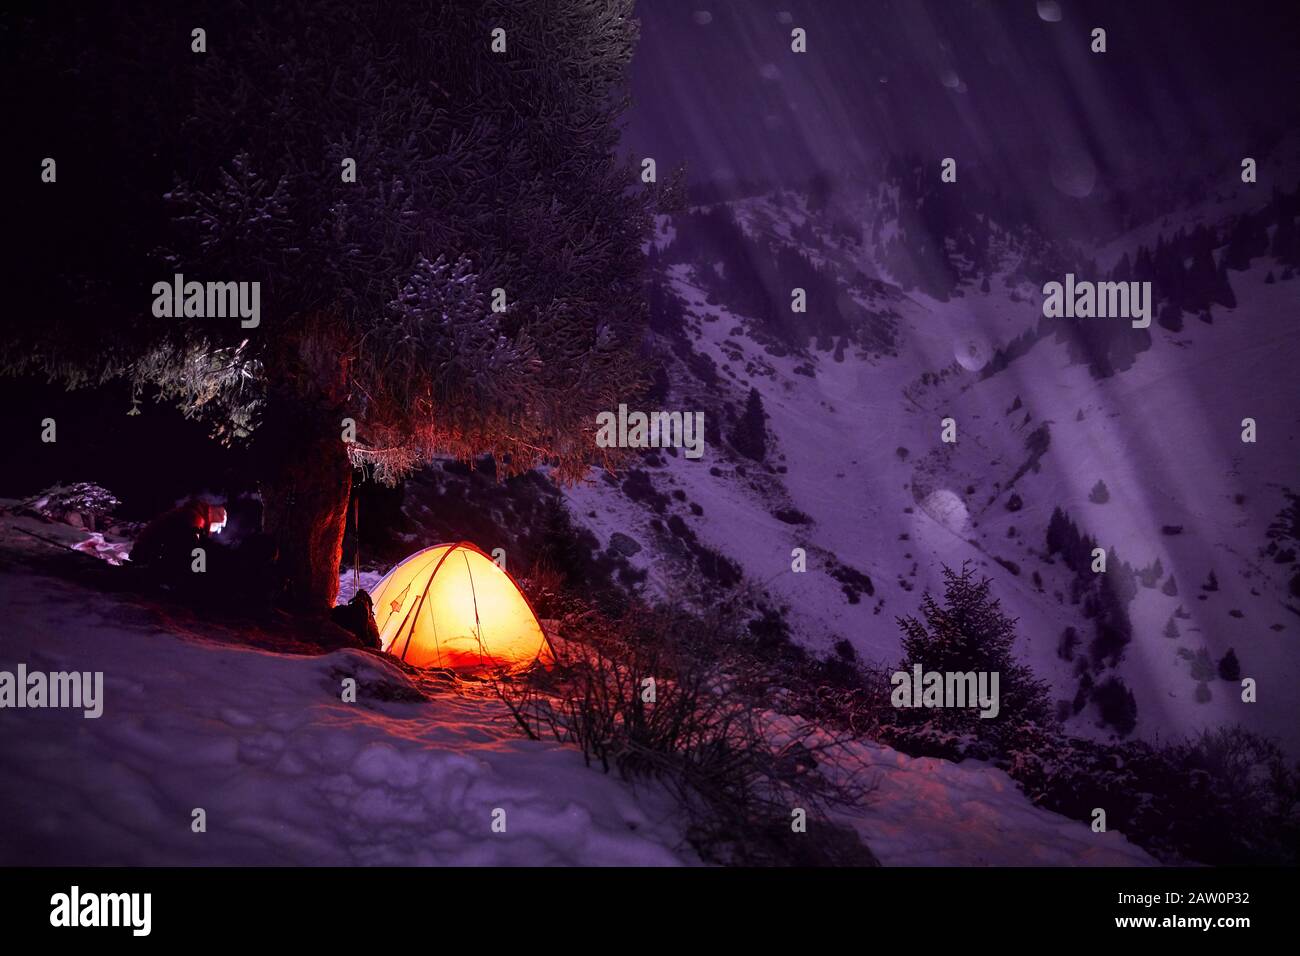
[307,479]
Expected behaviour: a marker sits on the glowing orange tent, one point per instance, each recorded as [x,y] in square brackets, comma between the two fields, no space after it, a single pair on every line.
[451,606]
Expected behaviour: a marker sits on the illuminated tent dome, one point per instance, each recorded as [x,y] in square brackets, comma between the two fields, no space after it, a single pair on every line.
[451,606]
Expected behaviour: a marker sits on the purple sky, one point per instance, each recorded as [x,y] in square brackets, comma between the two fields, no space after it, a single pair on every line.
[715,83]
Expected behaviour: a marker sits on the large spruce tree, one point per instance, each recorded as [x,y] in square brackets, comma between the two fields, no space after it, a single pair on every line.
[483,161]
[969,631]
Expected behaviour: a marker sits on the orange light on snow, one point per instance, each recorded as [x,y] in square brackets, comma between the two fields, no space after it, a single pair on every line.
[451,606]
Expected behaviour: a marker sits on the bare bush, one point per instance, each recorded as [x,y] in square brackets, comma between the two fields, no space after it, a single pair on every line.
[650,696]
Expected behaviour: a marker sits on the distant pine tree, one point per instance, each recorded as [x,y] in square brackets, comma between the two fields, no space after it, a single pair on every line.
[1066,645]
[1286,240]
[1100,494]
[1171,629]
[1229,666]
[1223,293]
[1247,239]
[1143,268]
[749,437]
[1123,270]
[1203,668]
[1170,317]
[1116,705]
[1202,279]
[1057,531]
[1150,575]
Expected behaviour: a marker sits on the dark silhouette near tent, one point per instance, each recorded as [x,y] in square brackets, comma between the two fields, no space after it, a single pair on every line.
[166,545]
[238,575]
[358,617]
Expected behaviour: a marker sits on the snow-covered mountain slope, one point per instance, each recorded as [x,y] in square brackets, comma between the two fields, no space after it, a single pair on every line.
[286,772]
[857,475]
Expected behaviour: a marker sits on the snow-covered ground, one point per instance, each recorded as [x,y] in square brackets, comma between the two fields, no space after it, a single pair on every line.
[286,772]
[931,812]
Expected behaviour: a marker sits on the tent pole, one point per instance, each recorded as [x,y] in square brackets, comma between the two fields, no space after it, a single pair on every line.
[478,625]
[356,530]
[415,618]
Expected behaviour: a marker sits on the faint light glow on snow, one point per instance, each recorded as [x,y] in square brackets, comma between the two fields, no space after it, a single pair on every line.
[1074,173]
[703,17]
[972,352]
[947,508]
